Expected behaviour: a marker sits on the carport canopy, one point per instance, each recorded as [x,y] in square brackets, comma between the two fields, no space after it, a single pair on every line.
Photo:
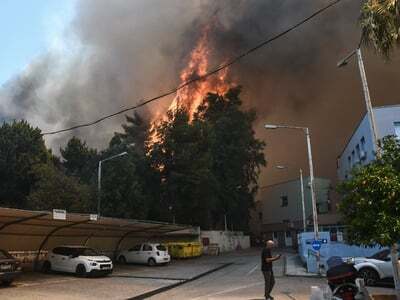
[26,230]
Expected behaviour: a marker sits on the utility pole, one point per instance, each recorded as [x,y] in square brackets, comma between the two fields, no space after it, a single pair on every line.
[368,104]
[302,201]
[99,180]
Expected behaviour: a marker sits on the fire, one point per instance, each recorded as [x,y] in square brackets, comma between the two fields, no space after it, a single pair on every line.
[191,96]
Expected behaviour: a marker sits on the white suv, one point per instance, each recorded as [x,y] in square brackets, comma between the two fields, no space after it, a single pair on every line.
[374,268]
[79,260]
[151,254]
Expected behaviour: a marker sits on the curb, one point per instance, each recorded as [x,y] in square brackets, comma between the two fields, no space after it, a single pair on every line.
[294,275]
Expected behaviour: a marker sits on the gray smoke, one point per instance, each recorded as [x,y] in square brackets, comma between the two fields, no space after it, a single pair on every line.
[129,50]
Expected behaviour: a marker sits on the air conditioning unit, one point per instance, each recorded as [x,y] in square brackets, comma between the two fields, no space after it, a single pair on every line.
[363,155]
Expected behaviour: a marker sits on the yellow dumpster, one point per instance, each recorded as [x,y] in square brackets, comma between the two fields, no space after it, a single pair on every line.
[197,249]
[184,250]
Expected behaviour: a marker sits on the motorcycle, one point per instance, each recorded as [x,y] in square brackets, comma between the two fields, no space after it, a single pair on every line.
[342,279]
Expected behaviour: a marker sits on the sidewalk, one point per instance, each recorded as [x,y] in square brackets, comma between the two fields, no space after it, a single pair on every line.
[294,266]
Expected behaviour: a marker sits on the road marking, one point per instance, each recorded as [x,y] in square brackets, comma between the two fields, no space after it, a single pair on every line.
[46,282]
[252,270]
[288,294]
[174,285]
[229,290]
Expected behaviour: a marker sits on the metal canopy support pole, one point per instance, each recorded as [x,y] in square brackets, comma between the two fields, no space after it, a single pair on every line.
[21,220]
[49,235]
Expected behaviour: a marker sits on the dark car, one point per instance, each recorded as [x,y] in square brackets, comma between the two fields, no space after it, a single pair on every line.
[10,268]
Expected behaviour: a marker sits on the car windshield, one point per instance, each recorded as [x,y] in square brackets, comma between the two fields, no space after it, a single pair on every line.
[381,255]
[4,255]
[161,248]
[86,252]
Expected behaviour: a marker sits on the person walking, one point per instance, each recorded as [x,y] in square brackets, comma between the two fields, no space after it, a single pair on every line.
[266,268]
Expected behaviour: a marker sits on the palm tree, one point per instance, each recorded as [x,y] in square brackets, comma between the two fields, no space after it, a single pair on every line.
[380,24]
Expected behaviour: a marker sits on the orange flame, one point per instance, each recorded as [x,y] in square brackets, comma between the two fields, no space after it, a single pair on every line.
[191,96]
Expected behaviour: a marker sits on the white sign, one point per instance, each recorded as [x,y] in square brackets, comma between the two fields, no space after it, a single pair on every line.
[59,214]
[93,217]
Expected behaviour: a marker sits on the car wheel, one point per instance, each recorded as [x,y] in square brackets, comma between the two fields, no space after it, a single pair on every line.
[46,268]
[151,262]
[122,260]
[7,282]
[81,270]
[369,275]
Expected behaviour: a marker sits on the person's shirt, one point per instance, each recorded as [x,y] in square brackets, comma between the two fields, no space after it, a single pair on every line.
[266,266]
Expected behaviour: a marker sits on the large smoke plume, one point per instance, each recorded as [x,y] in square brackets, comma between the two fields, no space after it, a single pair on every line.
[124,51]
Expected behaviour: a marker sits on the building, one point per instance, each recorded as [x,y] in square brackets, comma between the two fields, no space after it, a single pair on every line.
[278,211]
[359,149]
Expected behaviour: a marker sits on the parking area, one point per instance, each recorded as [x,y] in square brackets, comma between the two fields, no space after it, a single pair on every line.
[126,282]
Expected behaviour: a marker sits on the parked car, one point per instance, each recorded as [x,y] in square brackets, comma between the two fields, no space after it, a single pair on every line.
[151,254]
[10,268]
[80,260]
[374,268]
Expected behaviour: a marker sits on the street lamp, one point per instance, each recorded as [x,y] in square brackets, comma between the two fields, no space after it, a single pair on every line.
[367,98]
[302,195]
[99,179]
[310,163]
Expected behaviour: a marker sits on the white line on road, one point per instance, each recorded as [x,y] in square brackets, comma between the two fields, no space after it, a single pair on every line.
[252,270]
[46,282]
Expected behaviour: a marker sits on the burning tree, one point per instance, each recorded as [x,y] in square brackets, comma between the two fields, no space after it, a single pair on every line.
[209,164]
[205,148]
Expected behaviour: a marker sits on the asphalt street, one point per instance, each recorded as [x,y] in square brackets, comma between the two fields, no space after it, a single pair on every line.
[243,280]
[230,276]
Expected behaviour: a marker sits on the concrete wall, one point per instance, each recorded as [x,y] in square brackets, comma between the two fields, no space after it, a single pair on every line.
[385,118]
[339,248]
[226,240]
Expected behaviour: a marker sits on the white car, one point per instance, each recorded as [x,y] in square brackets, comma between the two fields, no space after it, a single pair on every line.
[151,254]
[79,260]
[374,268]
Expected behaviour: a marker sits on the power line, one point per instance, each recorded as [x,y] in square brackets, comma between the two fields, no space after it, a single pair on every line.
[230,62]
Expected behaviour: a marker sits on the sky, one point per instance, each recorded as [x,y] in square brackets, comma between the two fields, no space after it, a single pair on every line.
[70,62]
[27,29]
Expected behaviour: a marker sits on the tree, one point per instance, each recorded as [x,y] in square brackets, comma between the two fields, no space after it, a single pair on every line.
[181,153]
[123,192]
[56,190]
[371,201]
[79,160]
[136,132]
[22,149]
[129,185]
[380,24]
[237,155]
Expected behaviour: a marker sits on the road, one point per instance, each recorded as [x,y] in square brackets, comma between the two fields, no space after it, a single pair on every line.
[243,280]
[230,276]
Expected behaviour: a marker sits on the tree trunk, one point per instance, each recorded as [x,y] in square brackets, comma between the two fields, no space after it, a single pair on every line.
[395,263]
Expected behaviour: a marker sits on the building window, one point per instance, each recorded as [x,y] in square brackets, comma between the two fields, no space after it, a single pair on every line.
[260,215]
[284,201]
[322,207]
[288,234]
[358,152]
[363,154]
[397,129]
[362,144]
[353,157]
[349,161]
